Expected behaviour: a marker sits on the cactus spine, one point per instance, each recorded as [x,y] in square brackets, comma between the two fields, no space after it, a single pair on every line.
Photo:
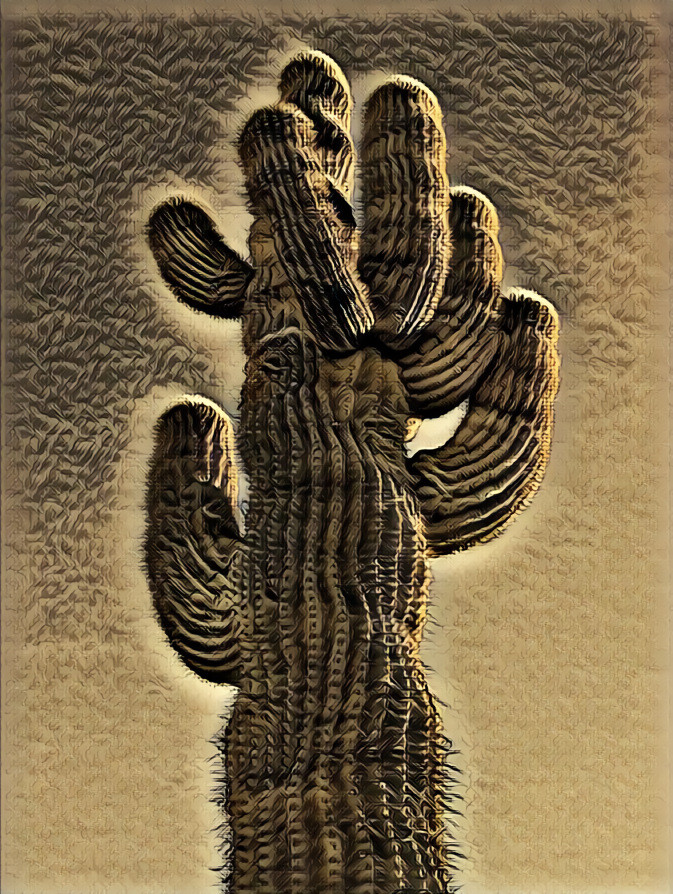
[336,771]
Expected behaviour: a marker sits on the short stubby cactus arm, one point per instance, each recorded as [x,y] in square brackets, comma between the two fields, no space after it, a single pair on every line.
[196,561]
[200,269]
[445,364]
[470,488]
[406,243]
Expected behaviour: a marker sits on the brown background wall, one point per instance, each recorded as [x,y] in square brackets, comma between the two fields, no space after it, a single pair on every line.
[550,644]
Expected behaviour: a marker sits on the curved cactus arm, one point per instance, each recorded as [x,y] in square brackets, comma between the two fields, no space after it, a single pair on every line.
[445,364]
[198,266]
[312,224]
[470,488]
[196,561]
[406,239]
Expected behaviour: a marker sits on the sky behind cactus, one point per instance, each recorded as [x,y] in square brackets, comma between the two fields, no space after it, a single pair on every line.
[549,644]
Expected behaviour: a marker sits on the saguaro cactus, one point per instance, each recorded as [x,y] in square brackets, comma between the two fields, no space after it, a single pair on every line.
[336,775]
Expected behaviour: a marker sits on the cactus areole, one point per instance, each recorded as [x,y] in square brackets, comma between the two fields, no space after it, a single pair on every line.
[336,776]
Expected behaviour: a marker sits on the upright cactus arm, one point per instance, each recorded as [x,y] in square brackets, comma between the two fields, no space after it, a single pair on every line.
[470,488]
[198,266]
[311,222]
[454,352]
[317,87]
[196,561]
[406,243]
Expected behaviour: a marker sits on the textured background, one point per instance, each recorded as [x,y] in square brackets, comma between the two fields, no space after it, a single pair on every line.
[550,644]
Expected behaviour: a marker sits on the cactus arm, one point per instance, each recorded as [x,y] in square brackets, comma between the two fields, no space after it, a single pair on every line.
[197,265]
[475,484]
[317,87]
[406,238]
[194,554]
[312,224]
[453,352]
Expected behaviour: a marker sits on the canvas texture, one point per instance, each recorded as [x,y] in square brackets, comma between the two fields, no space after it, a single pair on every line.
[547,646]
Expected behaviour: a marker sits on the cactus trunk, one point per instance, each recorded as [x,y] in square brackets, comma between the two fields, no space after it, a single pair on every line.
[334,753]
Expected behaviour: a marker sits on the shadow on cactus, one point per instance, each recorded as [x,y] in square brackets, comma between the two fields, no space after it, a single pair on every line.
[337,778]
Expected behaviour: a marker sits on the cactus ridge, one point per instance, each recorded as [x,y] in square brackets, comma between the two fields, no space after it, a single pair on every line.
[336,774]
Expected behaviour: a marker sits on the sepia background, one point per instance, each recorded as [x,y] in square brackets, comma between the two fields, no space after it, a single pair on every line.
[548,646]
